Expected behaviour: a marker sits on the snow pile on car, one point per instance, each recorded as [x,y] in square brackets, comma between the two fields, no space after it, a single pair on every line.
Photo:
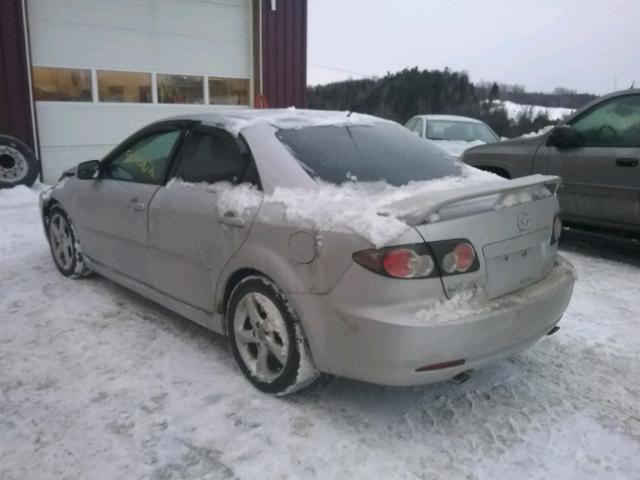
[359,206]
[231,198]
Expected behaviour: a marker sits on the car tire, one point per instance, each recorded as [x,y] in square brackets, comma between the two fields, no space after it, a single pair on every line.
[64,244]
[18,163]
[267,339]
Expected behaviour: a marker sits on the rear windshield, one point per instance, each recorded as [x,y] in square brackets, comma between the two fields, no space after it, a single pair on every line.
[367,153]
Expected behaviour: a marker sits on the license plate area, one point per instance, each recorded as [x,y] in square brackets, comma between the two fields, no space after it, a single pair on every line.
[514,264]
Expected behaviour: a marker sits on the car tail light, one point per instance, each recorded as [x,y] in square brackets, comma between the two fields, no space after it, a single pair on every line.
[460,259]
[422,260]
[556,231]
[409,261]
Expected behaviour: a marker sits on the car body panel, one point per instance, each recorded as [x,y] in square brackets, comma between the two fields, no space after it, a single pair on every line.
[359,324]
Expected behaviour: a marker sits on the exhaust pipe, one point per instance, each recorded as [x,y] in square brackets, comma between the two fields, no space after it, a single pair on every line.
[553,330]
[462,377]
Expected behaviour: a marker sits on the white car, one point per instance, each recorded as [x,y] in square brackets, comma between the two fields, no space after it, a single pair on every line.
[452,133]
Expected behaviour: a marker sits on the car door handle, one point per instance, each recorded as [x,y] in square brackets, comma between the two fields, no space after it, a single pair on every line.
[231,219]
[627,162]
[136,206]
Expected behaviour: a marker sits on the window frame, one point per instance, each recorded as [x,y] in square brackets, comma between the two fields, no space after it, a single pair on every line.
[571,121]
[422,123]
[137,137]
[92,91]
[239,143]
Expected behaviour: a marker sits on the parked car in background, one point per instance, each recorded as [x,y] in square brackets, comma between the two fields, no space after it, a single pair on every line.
[244,222]
[453,133]
[596,151]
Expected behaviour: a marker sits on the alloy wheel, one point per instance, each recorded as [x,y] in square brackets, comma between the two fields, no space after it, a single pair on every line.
[261,336]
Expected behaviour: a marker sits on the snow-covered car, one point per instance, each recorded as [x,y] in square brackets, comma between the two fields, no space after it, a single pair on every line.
[453,133]
[319,242]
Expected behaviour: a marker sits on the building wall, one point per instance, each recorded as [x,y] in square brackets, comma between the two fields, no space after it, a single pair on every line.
[15,101]
[284,52]
[185,37]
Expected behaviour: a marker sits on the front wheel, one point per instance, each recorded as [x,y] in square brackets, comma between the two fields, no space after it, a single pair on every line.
[64,244]
[267,339]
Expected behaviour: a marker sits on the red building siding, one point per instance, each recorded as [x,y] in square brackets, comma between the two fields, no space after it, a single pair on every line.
[284,52]
[15,98]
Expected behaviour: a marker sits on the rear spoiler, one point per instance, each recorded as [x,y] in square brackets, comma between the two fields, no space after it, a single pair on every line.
[418,209]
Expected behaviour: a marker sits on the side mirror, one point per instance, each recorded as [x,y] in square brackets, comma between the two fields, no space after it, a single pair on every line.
[563,136]
[88,170]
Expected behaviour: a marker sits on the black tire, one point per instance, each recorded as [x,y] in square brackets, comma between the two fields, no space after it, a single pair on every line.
[298,370]
[72,264]
[18,163]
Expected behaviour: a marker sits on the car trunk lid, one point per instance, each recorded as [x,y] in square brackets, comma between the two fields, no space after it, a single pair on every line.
[509,224]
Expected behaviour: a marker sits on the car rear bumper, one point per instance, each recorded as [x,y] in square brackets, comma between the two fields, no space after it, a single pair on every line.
[386,345]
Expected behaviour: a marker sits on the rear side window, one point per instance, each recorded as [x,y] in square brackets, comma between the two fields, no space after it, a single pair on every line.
[384,152]
[209,158]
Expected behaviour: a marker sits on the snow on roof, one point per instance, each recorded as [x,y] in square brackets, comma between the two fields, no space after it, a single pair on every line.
[291,118]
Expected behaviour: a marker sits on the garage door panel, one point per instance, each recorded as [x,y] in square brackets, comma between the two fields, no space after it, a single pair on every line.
[189,37]
[150,36]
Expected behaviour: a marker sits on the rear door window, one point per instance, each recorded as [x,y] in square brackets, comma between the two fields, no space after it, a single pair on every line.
[210,158]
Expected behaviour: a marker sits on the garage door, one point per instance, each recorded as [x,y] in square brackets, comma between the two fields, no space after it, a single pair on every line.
[101,69]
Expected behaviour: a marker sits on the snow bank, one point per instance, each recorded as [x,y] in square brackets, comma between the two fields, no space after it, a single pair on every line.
[19,195]
[542,131]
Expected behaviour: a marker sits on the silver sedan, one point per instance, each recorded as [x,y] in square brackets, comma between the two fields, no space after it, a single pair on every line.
[319,242]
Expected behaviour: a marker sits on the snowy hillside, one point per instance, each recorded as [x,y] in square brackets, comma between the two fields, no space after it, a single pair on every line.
[515,110]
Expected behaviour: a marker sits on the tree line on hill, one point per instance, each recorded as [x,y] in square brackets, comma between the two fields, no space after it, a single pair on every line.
[401,95]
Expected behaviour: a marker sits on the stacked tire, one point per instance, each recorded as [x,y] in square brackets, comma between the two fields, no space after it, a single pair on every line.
[18,163]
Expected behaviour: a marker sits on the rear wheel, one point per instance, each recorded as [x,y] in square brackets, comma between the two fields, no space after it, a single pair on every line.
[18,163]
[267,339]
[64,244]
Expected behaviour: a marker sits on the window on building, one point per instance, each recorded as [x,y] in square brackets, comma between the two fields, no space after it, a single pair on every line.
[228,91]
[180,89]
[124,87]
[62,84]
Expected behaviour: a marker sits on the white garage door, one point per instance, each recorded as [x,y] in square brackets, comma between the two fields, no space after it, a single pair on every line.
[103,69]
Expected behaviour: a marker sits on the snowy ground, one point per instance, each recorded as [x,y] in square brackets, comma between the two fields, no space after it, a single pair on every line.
[98,383]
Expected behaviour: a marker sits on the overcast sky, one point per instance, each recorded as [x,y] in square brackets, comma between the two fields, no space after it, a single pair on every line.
[586,45]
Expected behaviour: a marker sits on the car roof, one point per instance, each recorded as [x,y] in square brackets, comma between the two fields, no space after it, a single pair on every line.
[234,120]
[450,118]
